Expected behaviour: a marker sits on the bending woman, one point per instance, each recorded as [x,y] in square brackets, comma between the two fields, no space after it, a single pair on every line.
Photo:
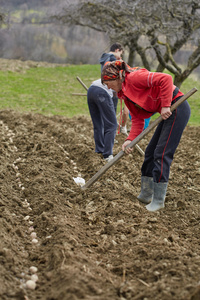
[146,93]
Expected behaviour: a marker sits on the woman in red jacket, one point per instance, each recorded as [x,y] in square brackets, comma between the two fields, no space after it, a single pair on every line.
[146,93]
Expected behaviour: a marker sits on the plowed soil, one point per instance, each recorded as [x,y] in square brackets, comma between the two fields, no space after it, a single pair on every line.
[97,244]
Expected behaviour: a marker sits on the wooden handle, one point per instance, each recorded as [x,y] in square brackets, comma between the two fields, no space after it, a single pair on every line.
[81,82]
[78,94]
[136,140]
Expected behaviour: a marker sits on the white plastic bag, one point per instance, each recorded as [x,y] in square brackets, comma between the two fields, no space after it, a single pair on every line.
[79,181]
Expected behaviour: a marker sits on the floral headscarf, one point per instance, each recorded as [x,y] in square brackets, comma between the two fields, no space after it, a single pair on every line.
[116,69]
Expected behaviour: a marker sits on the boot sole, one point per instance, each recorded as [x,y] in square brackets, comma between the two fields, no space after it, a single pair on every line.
[144,201]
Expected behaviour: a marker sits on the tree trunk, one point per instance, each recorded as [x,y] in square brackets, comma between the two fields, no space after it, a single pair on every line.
[131,58]
[180,78]
[160,68]
[178,81]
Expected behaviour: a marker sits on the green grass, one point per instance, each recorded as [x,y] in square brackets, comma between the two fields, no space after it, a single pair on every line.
[48,90]
[194,100]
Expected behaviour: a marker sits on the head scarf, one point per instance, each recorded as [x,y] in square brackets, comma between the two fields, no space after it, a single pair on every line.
[115,69]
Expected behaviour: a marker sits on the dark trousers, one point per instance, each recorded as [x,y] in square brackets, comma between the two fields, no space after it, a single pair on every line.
[160,151]
[104,119]
[115,102]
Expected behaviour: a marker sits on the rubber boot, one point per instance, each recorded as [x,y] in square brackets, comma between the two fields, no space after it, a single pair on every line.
[159,193]
[146,193]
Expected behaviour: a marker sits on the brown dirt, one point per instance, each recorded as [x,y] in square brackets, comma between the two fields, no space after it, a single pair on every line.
[98,244]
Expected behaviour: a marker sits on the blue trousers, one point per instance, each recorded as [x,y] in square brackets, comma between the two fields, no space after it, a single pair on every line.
[146,121]
[104,119]
[115,102]
[161,148]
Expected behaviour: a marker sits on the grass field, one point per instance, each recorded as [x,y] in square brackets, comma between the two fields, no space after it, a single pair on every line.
[48,90]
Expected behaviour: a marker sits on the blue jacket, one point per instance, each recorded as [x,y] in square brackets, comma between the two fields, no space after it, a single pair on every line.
[106,57]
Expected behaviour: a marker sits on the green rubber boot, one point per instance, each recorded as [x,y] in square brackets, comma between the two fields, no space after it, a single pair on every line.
[159,193]
[146,193]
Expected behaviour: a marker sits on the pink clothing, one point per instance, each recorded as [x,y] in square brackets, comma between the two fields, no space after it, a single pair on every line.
[145,93]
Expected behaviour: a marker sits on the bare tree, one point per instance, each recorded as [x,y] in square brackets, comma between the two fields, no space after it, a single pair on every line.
[180,28]
[155,30]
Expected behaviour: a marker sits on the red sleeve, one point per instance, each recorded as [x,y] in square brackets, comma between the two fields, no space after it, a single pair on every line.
[137,121]
[137,126]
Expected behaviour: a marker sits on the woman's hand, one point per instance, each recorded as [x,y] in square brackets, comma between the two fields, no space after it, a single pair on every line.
[127,150]
[165,112]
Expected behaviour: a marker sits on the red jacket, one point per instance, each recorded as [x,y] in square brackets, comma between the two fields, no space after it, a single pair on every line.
[150,91]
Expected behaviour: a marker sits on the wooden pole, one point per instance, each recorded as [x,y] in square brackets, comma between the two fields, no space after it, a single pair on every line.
[136,140]
[136,146]
[78,94]
[81,82]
